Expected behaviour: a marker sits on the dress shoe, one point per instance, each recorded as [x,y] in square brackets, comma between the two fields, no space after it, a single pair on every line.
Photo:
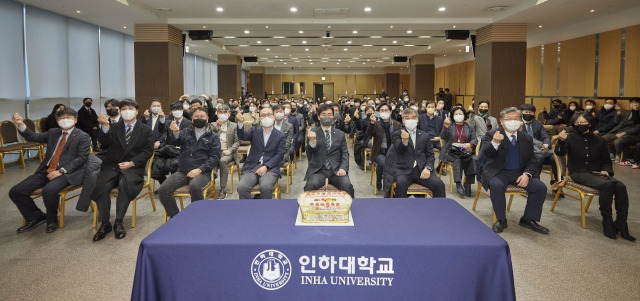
[467,189]
[459,189]
[533,225]
[119,231]
[609,229]
[105,228]
[222,194]
[52,227]
[624,230]
[32,224]
[499,225]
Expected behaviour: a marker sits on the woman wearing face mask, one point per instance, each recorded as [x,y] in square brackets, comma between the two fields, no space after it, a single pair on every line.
[459,142]
[51,122]
[589,164]
[590,107]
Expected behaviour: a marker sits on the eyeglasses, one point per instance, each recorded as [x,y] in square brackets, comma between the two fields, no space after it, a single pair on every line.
[266,115]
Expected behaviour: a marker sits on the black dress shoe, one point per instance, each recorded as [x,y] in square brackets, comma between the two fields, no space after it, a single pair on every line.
[459,189]
[105,228]
[119,231]
[52,227]
[499,225]
[32,224]
[531,224]
[222,195]
[467,189]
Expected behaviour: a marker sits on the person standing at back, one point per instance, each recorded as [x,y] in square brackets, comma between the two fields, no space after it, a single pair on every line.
[88,121]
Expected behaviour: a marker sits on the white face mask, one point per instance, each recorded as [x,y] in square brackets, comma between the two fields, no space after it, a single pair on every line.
[155,110]
[411,124]
[439,107]
[377,102]
[588,107]
[393,108]
[415,107]
[512,125]
[608,106]
[252,109]
[406,99]
[66,124]
[177,114]
[128,115]
[267,122]
[287,111]
[458,118]
[223,117]
[385,115]
[279,115]
[572,108]
[185,106]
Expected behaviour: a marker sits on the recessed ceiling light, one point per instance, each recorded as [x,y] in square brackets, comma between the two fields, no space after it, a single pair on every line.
[311,63]
[376,37]
[300,31]
[442,8]
[220,9]
[379,61]
[285,63]
[78,12]
[445,55]
[348,42]
[454,26]
[395,42]
[368,60]
[337,63]
[339,60]
[366,45]
[278,37]
[409,31]
[293,9]
[266,26]
[259,42]
[329,26]
[124,27]
[243,45]
[424,37]
[229,37]
[593,10]
[304,42]
[204,26]
[390,26]
[285,45]
[367,9]
[355,31]
[281,60]
[363,63]
[246,31]
[268,49]
[276,56]
[306,49]
[345,49]
[539,26]
[384,49]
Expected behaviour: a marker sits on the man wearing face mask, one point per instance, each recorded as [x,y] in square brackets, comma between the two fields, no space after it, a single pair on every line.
[229,142]
[186,105]
[282,124]
[448,99]
[380,131]
[63,165]
[482,121]
[605,117]
[509,159]
[328,155]
[541,141]
[88,121]
[129,145]
[556,116]
[440,110]
[262,165]
[431,124]
[625,130]
[166,160]
[199,155]
[291,118]
[414,159]
[112,108]
[154,118]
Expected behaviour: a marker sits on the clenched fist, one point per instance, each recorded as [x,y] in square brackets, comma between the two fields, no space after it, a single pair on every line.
[373,118]
[498,137]
[447,121]
[347,119]
[239,116]
[103,120]
[404,135]
[161,114]
[17,119]
[146,114]
[311,135]
[563,135]
[174,127]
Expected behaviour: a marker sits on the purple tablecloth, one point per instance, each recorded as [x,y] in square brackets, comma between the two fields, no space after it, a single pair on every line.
[399,249]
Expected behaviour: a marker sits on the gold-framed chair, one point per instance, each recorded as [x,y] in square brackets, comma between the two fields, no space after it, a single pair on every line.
[373,180]
[233,168]
[582,190]
[33,145]
[41,123]
[208,190]
[149,183]
[448,167]
[63,199]
[276,190]
[9,134]
[366,152]
[414,189]
[287,168]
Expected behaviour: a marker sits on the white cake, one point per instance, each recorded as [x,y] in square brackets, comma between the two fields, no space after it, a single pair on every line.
[325,206]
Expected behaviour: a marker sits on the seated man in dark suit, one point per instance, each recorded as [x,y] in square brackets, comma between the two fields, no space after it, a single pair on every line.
[63,165]
[128,145]
[431,124]
[199,154]
[414,161]
[541,141]
[282,124]
[155,119]
[327,154]
[262,165]
[512,161]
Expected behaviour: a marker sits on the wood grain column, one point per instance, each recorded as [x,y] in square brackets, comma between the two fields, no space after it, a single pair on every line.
[422,76]
[391,83]
[501,59]
[229,72]
[158,64]
[256,81]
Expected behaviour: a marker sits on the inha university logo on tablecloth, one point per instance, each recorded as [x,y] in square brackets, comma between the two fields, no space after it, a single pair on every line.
[271,269]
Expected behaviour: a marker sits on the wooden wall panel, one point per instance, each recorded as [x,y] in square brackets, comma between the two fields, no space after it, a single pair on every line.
[632,62]
[268,80]
[550,66]
[534,56]
[277,84]
[577,66]
[405,83]
[540,103]
[471,77]
[439,80]
[609,63]
[361,85]
[454,88]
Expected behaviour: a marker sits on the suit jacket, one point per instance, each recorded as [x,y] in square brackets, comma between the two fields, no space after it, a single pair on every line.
[87,119]
[494,160]
[272,152]
[296,127]
[376,131]
[74,154]
[424,121]
[481,126]
[184,123]
[625,124]
[421,153]
[288,130]
[232,138]
[539,133]
[448,135]
[139,150]
[338,155]
[158,129]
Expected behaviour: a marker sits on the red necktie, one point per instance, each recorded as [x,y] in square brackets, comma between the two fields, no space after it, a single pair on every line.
[53,164]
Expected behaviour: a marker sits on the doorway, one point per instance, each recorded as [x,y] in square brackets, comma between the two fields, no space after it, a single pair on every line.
[321,90]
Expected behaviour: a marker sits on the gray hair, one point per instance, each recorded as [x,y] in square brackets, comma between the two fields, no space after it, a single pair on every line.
[409,111]
[509,110]
[223,107]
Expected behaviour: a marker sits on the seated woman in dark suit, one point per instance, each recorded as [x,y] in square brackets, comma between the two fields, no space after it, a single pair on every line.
[459,141]
[589,164]
[52,122]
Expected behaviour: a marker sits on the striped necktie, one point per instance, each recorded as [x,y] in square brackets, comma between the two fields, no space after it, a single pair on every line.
[127,134]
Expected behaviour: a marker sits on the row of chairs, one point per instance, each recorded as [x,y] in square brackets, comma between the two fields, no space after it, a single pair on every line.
[11,144]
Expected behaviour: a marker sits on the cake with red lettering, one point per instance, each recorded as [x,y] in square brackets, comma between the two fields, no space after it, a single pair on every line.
[325,206]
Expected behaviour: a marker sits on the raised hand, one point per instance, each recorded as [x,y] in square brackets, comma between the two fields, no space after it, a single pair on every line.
[174,127]
[239,116]
[311,135]
[347,119]
[498,137]
[404,135]
[185,96]
[103,120]
[204,96]
[563,135]
[470,109]
[17,119]
[447,121]
[146,114]
[161,114]
[373,119]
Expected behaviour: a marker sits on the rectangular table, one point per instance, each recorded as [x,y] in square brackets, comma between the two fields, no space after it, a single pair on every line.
[399,249]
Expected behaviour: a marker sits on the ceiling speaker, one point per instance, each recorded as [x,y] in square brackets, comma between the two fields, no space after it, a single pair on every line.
[456,34]
[198,35]
[399,59]
[250,59]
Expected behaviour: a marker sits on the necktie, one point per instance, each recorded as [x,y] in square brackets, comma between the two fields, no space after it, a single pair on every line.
[53,164]
[529,131]
[127,134]
[513,140]
[327,138]
[153,121]
[178,124]
[413,140]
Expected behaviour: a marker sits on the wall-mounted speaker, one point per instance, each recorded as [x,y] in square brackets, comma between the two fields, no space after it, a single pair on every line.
[399,59]
[198,35]
[250,59]
[456,34]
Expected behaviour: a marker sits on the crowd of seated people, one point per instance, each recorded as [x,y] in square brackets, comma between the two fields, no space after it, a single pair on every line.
[201,137]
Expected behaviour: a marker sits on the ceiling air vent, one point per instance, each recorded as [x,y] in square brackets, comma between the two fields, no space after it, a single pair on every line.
[330,12]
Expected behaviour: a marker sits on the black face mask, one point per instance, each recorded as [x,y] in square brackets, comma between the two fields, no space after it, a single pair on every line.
[113,112]
[293,110]
[87,104]
[246,107]
[483,111]
[199,123]
[369,115]
[527,117]
[556,106]
[581,128]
